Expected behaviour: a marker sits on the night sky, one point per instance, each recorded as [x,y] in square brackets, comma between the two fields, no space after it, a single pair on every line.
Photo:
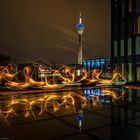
[45,29]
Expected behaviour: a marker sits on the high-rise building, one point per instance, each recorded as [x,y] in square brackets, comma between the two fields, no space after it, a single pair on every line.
[125,42]
[80,28]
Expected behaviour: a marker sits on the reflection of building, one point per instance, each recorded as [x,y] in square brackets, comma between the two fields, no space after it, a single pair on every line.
[80,28]
[125,51]
[95,92]
[99,63]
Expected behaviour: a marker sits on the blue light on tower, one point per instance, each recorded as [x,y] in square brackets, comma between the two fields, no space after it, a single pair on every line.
[80,28]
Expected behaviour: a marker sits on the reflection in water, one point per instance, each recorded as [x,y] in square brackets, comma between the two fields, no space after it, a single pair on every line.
[23,108]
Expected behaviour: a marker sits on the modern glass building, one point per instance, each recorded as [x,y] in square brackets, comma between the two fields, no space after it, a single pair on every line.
[99,63]
[125,50]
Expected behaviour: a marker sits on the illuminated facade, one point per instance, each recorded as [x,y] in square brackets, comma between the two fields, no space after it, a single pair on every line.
[99,63]
[80,28]
[125,50]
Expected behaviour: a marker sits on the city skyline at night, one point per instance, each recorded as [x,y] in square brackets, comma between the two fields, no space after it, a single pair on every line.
[70,70]
[46,30]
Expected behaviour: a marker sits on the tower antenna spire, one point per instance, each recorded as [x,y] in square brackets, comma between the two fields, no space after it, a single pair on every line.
[80,18]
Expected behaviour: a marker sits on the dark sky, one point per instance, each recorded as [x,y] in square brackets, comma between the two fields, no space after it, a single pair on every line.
[45,29]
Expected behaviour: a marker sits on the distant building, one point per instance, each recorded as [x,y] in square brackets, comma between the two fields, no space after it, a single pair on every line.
[4,59]
[99,63]
[125,42]
[41,69]
[36,70]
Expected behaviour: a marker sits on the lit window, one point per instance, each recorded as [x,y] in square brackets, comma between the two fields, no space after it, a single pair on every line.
[129,71]
[138,73]
[129,46]
[123,72]
[137,45]
[97,63]
[85,91]
[122,47]
[88,63]
[92,63]
[102,62]
[85,64]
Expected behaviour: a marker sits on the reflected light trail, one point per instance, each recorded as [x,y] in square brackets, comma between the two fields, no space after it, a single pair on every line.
[65,102]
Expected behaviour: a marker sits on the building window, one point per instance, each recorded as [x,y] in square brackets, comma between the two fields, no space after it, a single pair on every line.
[122,47]
[115,48]
[122,28]
[115,30]
[138,25]
[129,46]
[130,25]
[97,63]
[137,6]
[138,73]
[129,72]
[85,65]
[115,10]
[137,45]
[88,63]
[123,9]
[102,62]
[123,71]
[92,64]
[130,6]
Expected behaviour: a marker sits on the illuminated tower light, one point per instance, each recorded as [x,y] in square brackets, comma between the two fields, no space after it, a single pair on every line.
[80,28]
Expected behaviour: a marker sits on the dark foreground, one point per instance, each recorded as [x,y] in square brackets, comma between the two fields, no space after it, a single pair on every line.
[110,119]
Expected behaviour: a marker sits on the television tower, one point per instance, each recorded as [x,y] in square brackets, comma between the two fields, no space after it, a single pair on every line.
[80,28]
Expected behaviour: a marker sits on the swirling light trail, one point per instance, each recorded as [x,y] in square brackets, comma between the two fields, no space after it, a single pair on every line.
[9,74]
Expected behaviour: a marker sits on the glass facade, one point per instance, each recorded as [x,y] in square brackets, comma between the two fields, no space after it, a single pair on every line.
[126,37]
[96,63]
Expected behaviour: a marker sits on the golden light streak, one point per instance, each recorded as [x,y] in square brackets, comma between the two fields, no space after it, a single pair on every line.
[9,76]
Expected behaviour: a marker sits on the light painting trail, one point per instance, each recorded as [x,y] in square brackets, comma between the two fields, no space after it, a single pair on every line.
[9,74]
